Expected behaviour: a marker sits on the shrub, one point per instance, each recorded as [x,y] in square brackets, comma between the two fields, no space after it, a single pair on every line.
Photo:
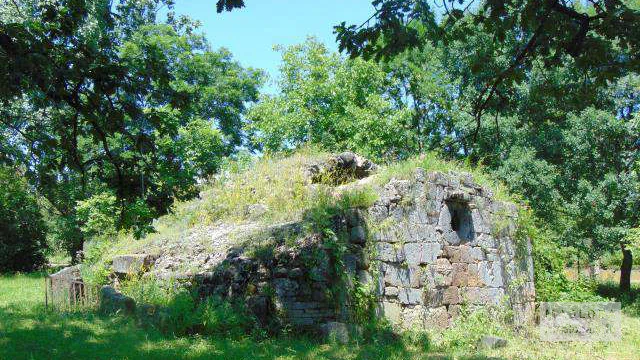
[471,325]
[220,317]
[22,228]
[178,310]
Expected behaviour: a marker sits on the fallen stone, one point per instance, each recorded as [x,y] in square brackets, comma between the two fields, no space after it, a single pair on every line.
[112,301]
[491,342]
[132,263]
[340,169]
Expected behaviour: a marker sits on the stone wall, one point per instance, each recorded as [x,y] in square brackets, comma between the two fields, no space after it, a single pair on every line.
[441,241]
[425,248]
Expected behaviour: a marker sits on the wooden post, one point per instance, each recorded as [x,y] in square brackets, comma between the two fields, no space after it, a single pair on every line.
[46,293]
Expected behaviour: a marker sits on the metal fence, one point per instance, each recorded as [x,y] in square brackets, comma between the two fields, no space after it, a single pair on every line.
[70,294]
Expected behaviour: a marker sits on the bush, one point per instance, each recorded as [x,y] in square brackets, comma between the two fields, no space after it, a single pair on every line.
[22,228]
[178,310]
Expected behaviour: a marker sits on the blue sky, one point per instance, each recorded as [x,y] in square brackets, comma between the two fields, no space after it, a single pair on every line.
[251,32]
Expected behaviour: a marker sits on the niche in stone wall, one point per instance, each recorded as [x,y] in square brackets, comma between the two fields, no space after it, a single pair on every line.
[460,220]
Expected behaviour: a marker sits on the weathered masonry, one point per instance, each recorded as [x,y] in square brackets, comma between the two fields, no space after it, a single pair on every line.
[427,247]
[442,241]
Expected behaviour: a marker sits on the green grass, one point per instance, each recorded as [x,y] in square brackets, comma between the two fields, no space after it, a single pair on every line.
[29,331]
[432,162]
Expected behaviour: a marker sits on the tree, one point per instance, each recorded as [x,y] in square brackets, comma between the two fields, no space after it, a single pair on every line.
[101,98]
[545,30]
[327,100]
[604,186]
[22,229]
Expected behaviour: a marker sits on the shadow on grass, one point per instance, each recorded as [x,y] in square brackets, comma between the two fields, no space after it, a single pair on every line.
[38,333]
[630,301]
[28,275]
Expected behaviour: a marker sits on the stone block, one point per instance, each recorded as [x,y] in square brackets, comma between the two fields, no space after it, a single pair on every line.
[391,291]
[437,178]
[378,212]
[132,263]
[482,296]
[391,311]
[473,276]
[302,320]
[421,253]
[304,305]
[350,263]
[464,254]
[454,311]
[413,316]
[491,273]
[432,297]
[365,278]
[335,332]
[358,235]
[480,224]
[418,216]
[386,252]
[112,301]
[296,273]
[451,296]
[436,318]
[285,287]
[399,276]
[459,274]
[410,296]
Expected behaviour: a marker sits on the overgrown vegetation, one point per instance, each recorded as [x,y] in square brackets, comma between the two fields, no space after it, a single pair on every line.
[122,129]
[22,229]
[29,331]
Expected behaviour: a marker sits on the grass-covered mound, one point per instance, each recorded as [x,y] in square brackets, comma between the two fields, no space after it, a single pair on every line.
[267,190]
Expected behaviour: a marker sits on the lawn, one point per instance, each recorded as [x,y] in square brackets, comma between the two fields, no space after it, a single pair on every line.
[29,331]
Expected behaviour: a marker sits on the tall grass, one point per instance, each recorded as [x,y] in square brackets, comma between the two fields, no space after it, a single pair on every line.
[431,161]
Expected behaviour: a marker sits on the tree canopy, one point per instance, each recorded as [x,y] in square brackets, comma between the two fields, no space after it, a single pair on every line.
[101,98]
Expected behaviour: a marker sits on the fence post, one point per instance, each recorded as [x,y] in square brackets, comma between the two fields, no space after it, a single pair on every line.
[46,293]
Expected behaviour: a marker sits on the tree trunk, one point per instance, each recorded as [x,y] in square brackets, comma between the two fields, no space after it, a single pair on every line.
[625,269]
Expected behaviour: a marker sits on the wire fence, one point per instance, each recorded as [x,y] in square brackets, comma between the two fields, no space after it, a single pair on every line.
[70,294]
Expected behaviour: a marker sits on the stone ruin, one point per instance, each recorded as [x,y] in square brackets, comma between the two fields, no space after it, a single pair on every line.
[445,241]
[426,247]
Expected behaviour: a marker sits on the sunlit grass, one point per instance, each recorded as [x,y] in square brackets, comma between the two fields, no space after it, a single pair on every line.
[29,331]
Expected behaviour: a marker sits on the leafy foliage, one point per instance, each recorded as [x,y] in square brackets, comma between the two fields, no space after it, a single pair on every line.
[332,102]
[99,98]
[524,30]
[22,229]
